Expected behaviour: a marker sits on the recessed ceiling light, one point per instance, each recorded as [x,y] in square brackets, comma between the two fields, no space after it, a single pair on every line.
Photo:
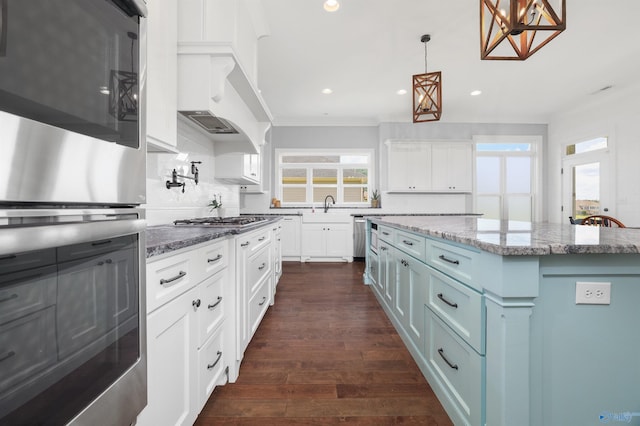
[327,91]
[331,5]
[476,93]
[401,92]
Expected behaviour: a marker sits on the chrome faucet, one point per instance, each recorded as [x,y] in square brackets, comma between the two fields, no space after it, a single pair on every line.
[326,206]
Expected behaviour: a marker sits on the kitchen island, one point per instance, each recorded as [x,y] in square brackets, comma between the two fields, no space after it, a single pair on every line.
[488,310]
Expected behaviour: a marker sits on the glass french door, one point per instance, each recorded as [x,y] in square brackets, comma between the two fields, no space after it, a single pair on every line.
[586,188]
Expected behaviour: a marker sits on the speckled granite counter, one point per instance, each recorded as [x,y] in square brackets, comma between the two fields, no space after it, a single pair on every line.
[167,238]
[520,238]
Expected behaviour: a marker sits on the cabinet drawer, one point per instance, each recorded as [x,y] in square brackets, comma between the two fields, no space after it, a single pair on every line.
[170,277]
[459,306]
[386,234]
[27,345]
[258,305]
[214,257]
[258,267]
[455,261]
[211,293]
[25,292]
[211,367]
[459,368]
[412,244]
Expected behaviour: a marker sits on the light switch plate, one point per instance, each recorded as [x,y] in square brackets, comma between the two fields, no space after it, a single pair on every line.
[593,293]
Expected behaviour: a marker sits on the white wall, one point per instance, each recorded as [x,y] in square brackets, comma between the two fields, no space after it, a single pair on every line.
[613,113]
[165,205]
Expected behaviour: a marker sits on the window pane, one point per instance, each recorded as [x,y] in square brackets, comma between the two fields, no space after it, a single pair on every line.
[587,146]
[354,159]
[586,179]
[519,208]
[297,176]
[511,147]
[320,193]
[488,175]
[294,194]
[355,194]
[310,159]
[325,176]
[518,177]
[489,206]
[354,176]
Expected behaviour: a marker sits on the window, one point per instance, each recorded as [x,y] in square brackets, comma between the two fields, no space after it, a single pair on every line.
[505,178]
[306,177]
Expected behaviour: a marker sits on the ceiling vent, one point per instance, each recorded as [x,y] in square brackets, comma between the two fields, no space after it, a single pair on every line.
[210,122]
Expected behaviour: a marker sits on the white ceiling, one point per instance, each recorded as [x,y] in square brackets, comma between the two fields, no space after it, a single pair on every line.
[369,49]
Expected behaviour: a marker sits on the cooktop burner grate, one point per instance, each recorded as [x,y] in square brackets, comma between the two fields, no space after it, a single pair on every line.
[220,221]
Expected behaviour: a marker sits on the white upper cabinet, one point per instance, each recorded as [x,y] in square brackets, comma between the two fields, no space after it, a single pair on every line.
[242,169]
[421,166]
[162,83]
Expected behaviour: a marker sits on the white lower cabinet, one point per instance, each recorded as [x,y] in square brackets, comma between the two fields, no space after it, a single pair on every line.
[291,237]
[211,367]
[328,241]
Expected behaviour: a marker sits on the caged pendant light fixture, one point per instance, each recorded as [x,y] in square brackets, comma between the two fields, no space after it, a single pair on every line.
[516,29]
[427,91]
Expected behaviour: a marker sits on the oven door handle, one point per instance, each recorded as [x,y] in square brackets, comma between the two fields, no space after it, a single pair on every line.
[29,238]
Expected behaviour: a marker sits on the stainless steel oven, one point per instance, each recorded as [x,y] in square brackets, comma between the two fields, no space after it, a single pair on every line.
[72,239]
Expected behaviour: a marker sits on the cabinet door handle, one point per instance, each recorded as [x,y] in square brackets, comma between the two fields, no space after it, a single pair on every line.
[264,299]
[172,279]
[210,366]
[446,259]
[196,303]
[409,243]
[6,299]
[441,352]
[261,239]
[383,248]
[215,259]
[215,304]
[244,244]
[385,233]
[8,257]
[261,267]
[441,297]
[7,356]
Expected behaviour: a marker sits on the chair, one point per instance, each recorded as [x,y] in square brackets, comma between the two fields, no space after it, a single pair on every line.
[601,220]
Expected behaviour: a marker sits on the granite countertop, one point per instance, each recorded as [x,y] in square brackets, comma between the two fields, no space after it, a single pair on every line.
[521,238]
[163,239]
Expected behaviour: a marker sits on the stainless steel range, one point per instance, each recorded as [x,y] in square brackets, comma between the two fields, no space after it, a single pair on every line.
[221,221]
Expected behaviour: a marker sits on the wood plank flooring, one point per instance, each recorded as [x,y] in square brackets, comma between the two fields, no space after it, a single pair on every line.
[325,354]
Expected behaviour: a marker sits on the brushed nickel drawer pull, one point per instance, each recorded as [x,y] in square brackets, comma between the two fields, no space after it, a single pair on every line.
[215,259]
[261,239]
[409,243]
[441,297]
[215,304]
[441,352]
[244,244]
[261,267]
[11,256]
[170,280]
[6,299]
[210,366]
[101,243]
[385,233]
[446,259]
[264,299]
[7,356]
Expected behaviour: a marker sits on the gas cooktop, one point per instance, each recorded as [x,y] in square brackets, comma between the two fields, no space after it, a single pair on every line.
[221,221]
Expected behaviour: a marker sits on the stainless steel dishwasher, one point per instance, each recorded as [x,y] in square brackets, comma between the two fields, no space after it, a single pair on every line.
[359,236]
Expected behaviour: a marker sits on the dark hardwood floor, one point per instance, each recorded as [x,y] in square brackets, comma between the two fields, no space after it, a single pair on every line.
[325,354]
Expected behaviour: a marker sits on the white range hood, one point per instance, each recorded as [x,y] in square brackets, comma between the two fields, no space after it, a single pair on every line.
[215,94]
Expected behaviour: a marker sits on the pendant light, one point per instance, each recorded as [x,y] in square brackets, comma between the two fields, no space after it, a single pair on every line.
[516,29]
[427,91]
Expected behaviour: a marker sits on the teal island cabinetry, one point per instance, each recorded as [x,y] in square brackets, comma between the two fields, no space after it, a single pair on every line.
[488,310]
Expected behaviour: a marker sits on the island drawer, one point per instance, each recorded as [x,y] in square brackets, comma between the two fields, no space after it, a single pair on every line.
[456,261]
[412,244]
[386,233]
[459,306]
[457,366]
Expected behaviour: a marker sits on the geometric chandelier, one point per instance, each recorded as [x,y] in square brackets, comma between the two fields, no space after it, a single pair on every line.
[427,92]
[516,29]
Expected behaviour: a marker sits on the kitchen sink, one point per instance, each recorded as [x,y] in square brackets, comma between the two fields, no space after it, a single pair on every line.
[329,217]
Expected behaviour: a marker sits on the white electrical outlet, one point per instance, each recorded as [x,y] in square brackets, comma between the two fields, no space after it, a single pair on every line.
[593,293]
